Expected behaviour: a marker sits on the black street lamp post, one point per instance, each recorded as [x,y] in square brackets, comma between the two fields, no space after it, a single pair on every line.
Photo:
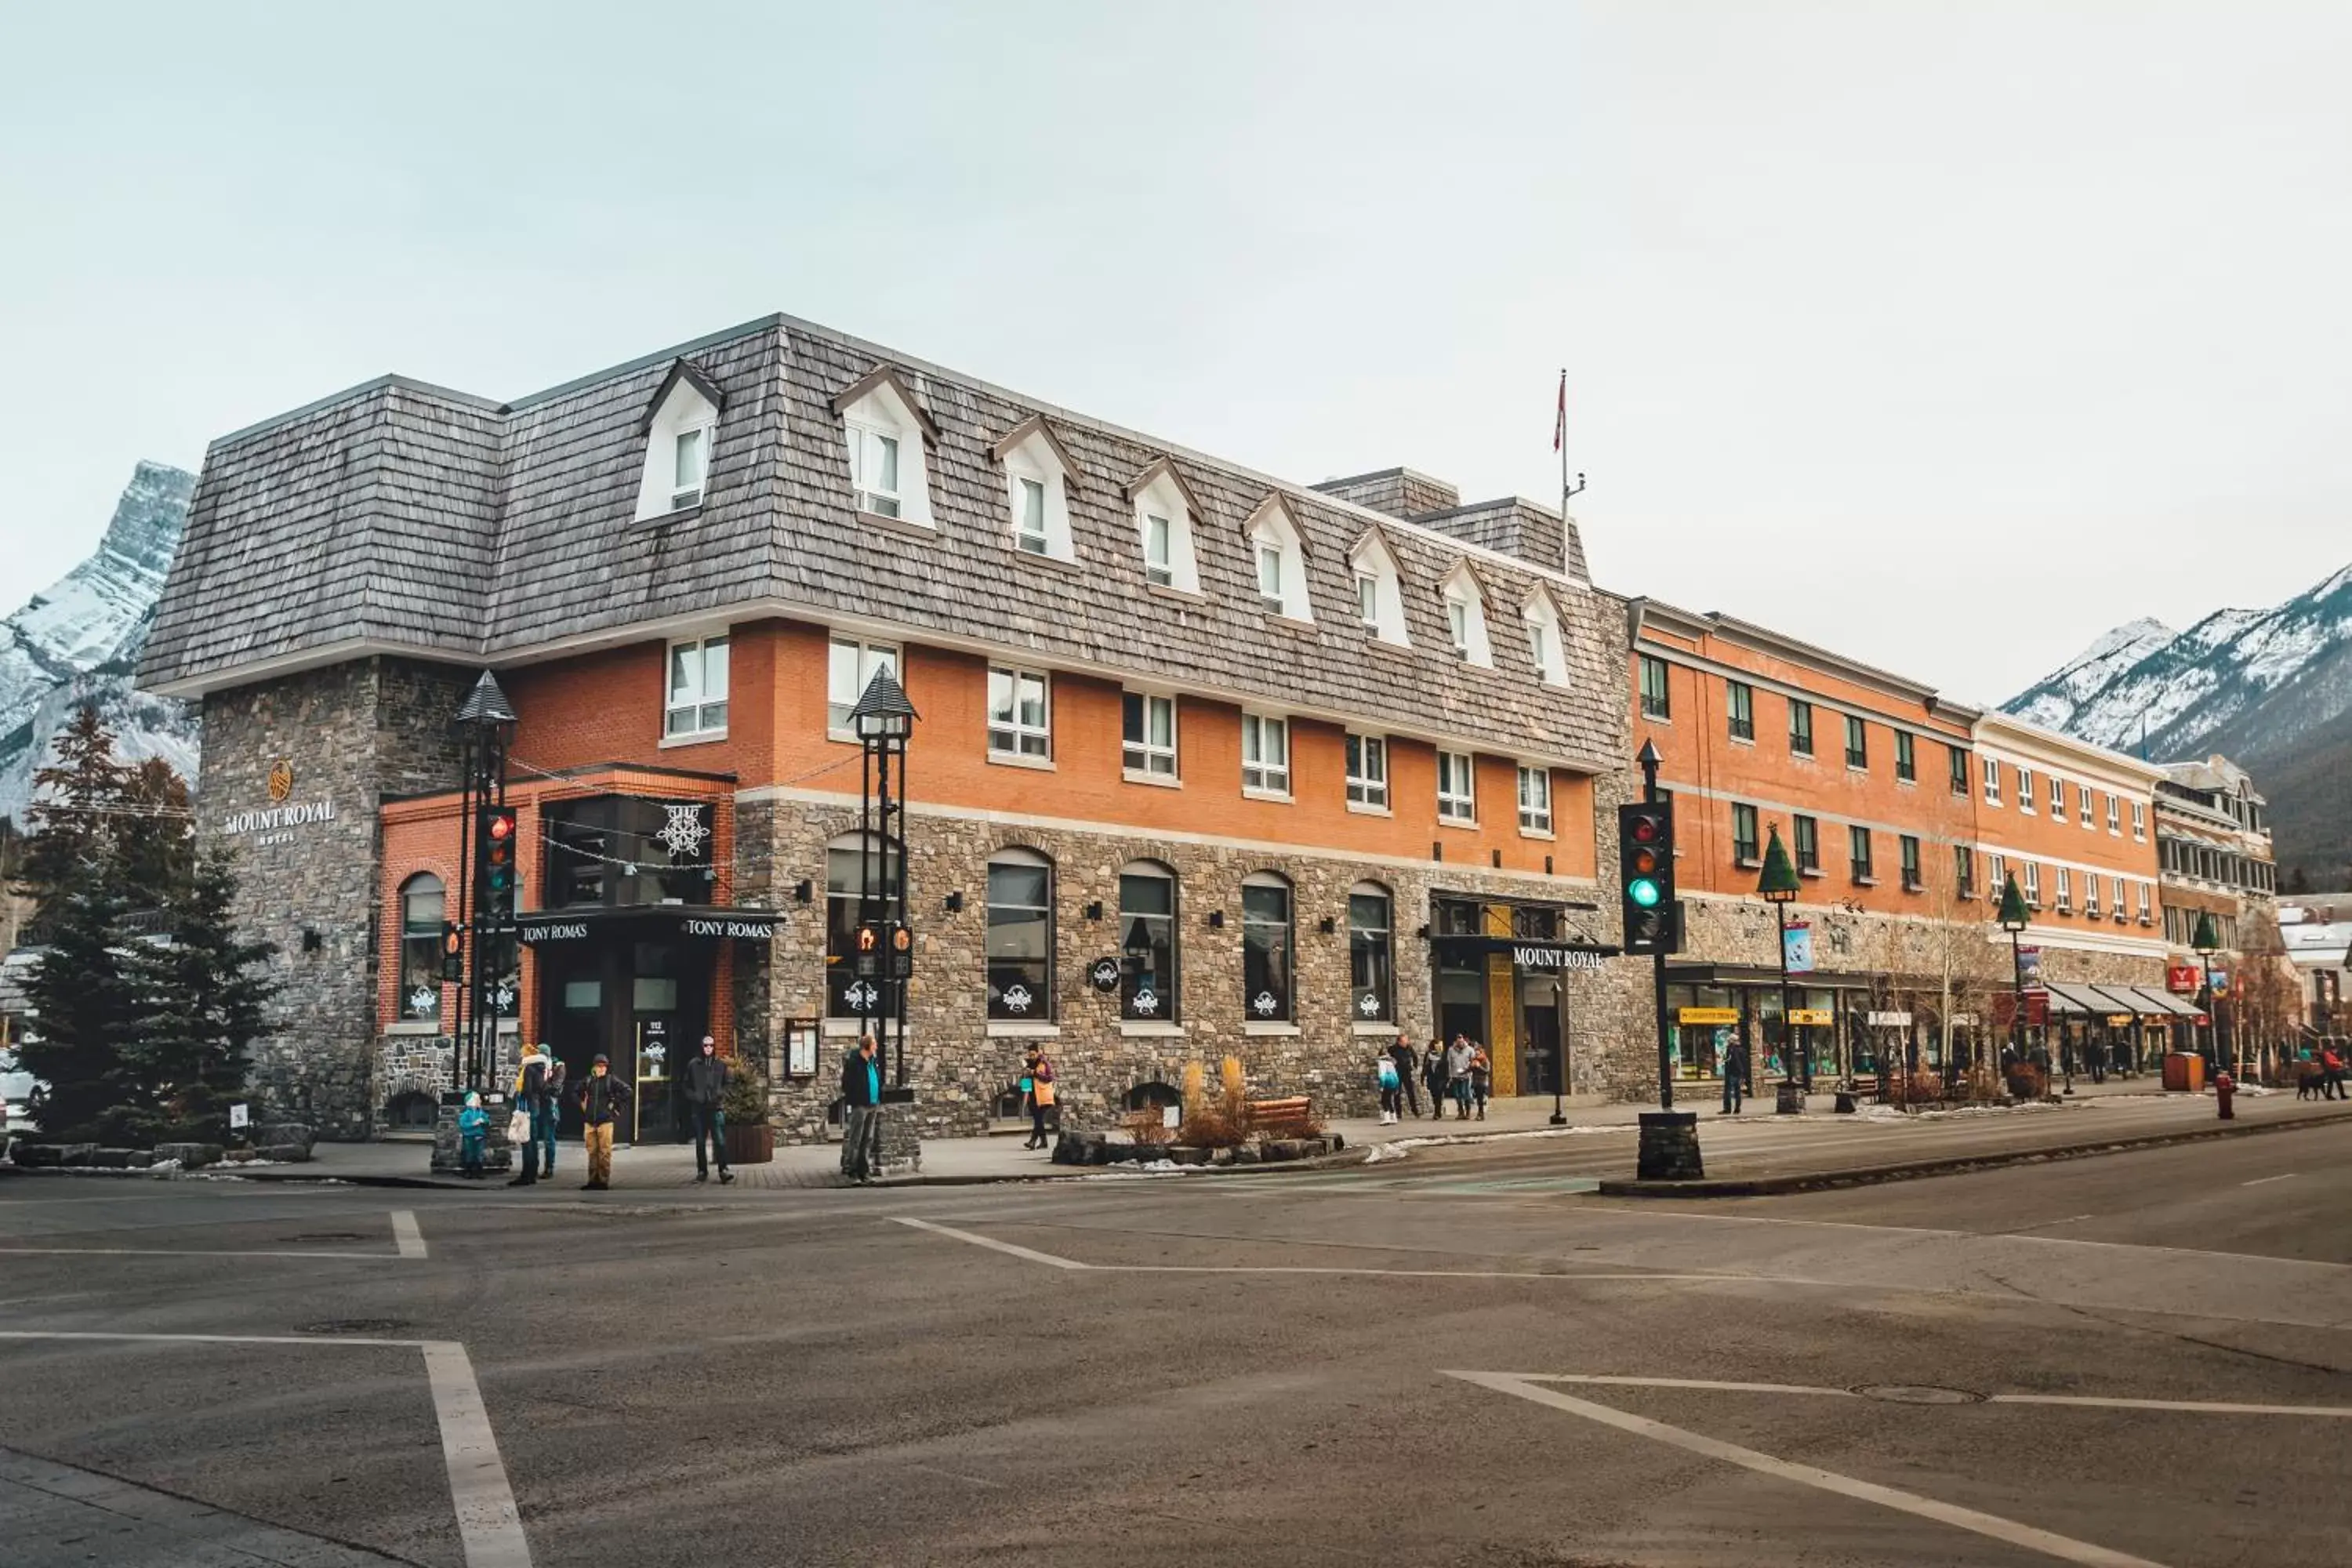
[487,719]
[2205,940]
[1778,887]
[2014,919]
[883,719]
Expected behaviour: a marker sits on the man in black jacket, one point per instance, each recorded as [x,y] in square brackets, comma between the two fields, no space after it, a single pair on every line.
[706,1102]
[1408,1073]
[861,1111]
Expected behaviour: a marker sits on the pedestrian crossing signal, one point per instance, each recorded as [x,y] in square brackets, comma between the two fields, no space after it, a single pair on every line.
[453,951]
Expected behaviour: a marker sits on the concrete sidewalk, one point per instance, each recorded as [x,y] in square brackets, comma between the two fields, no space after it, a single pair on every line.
[998,1157]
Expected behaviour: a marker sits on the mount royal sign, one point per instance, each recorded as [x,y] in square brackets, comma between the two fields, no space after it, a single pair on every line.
[275,823]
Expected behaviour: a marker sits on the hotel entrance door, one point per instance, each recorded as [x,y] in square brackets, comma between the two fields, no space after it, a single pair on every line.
[640,1005]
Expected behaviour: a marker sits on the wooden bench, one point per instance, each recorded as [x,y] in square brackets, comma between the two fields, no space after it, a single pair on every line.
[1291,1117]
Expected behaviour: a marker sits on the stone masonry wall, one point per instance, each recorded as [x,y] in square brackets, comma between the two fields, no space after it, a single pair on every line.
[350,733]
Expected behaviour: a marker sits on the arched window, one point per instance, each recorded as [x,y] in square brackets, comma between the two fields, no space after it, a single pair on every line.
[423,906]
[1148,953]
[851,861]
[1020,936]
[1371,958]
[1265,949]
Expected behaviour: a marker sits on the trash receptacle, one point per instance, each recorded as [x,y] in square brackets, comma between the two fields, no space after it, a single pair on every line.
[2184,1072]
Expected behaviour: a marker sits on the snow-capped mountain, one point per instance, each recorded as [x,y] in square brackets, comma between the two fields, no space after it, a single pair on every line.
[79,640]
[2271,688]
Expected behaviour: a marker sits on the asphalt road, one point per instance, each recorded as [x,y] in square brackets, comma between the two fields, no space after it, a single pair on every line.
[1258,1369]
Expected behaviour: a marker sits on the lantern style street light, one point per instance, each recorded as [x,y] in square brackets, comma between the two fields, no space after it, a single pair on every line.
[486,721]
[1778,887]
[883,719]
[2014,919]
[2205,940]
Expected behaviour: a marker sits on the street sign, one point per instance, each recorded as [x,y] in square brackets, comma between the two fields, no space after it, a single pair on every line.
[1888,1020]
[240,1116]
[1816,1015]
[2180,978]
[1706,1015]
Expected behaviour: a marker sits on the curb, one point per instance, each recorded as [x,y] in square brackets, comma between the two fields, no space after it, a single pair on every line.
[1912,1170]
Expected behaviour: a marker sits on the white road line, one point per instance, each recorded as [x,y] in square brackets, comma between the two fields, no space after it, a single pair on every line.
[1681,1383]
[489,1528]
[184,1252]
[487,1523]
[2261,1181]
[992,1244]
[2192,1406]
[405,1232]
[2065,1548]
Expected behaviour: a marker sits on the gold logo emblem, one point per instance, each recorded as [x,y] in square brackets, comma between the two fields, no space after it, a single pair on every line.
[281,779]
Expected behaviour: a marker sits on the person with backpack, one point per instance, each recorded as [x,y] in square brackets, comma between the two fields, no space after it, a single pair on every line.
[602,1100]
[1384,1073]
[705,1106]
[1037,1085]
[1407,1069]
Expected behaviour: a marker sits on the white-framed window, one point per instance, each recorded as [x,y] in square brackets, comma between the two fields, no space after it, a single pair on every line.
[1368,771]
[874,471]
[2091,894]
[2143,904]
[2057,800]
[1148,938]
[1368,600]
[2033,884]
[2065,891]
[679,429]
[1465,616]
[2082,802]
[2115,814]
[696,703]
[1149,742]
[2139,820]
[1535,799]
[1279,560]
[850,668]
[1159,549]
[1457,787]
[1029,514]
[1999,865]
[2025,791]
[1266,755]
[1545,648]
[1992,782]
[1020,940]
[2120,914]
[1020,714]
[423,905]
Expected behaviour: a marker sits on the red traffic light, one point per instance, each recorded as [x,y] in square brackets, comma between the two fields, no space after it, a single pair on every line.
[501,826]
[1646,830]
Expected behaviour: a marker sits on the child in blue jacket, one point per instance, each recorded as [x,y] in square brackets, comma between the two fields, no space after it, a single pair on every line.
[473,1135]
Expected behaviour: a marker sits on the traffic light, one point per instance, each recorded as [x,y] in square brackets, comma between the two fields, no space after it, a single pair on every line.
[498,849]
[453,951]
[1645,866]
[869,949]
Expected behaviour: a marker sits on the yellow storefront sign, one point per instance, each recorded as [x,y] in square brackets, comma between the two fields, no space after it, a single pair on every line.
[1811,1016]
[1706,1015]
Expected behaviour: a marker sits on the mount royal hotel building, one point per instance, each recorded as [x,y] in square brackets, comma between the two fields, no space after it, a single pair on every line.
[1306,767]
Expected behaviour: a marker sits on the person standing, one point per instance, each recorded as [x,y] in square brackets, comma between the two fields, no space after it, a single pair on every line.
[1037,1087]
[1458,1057]
[1482,1076]
[2331,1072]
[1735,1077]
[551,1109]
[861,1111]
[529,1103]
[705,1103]
[602,1099]
[473,1136]
[1384,1073]
[1433,1073]
[1407,1069]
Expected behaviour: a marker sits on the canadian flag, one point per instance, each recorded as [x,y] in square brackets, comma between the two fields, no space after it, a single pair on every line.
[1560,422]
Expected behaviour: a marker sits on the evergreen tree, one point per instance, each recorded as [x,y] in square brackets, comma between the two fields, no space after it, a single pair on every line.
[85,1009]
[154,835]
[78,802]
[201,1000]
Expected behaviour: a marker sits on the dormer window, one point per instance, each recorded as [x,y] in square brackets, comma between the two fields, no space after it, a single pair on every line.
[1038,470]
[1465,616]
[1280,558]
[1164,515]
[678,425]
[1544,646]
[1380,592]
[888,437]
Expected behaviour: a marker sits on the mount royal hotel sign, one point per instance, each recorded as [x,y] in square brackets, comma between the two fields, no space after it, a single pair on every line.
[276,823]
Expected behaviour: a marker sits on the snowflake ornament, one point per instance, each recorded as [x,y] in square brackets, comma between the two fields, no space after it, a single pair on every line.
[1264,1003]
[1017,998]
[683,835]
[1368,1004]
[1146,1002]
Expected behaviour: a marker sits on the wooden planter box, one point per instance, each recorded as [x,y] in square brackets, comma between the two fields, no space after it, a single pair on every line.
[750,1145]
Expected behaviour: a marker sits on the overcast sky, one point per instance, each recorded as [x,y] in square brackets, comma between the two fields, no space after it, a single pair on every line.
[1947,335]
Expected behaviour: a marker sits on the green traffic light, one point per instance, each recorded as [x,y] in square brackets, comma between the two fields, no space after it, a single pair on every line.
[1642,891]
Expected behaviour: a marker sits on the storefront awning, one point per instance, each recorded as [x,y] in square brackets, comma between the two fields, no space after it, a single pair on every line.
[2077,999]
[2153,1002]
[1761,974]
[647,922]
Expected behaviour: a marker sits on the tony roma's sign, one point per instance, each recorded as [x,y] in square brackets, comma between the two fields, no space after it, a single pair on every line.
[552,928]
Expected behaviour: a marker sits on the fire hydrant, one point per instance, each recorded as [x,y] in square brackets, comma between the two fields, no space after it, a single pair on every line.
[2225,1088]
